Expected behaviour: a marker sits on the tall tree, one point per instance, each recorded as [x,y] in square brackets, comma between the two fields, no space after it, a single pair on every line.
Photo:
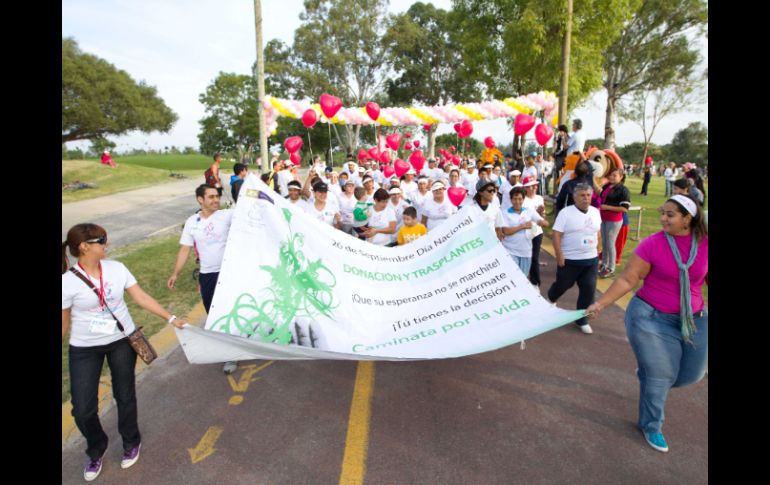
[230,102]
[690,144]
[98,99]
[425,53]
[652,52]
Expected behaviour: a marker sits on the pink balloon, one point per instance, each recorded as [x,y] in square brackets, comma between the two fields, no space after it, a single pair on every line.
[330,105]
[292,144]
[489,142]
[466,128]
[452,148]
[407,146]
[417,143]
[384,156]
[374,153]
[309,118]
[373,110]
[401,167]
[393,141]
[543,133]
[362,155]
[457,127]
[388,171]
[417,159]
[295,158]
[456,160]
[408,135]
[456,195]
[523,123]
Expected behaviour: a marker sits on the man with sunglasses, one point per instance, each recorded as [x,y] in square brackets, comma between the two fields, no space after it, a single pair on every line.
[208,231]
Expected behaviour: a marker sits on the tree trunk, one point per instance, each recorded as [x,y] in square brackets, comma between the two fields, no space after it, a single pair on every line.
[432,142]
[609,131]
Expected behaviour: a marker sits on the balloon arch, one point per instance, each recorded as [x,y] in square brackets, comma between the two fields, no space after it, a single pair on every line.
[544,102]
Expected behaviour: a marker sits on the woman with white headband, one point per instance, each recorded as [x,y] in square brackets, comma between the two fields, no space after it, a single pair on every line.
[437,209]
[667,320]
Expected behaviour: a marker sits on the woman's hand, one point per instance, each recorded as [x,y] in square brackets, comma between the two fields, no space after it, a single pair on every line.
[594,310]
[179,322]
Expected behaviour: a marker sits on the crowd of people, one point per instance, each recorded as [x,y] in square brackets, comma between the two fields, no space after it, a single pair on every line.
[667,321]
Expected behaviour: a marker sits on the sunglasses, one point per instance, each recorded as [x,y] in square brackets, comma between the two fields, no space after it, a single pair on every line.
[491,191]
[99,240]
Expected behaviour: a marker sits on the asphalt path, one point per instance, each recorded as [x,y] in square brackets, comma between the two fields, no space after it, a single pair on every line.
[561,410]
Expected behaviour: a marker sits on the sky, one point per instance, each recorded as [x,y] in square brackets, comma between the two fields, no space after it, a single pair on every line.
[180,46]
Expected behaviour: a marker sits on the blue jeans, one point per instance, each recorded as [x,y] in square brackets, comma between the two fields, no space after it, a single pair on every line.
[669,188]
[664,359]
[523,264]
[85,369]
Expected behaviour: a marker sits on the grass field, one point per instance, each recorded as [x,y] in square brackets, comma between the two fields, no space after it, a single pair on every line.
[133,172]
[151,263]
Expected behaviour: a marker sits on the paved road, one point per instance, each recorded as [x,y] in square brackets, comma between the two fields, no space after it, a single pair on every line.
[560,411]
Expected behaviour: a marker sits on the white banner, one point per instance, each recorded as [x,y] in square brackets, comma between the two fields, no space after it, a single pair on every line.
[292,287]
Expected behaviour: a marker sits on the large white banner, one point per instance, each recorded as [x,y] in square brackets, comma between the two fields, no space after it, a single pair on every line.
[292,287]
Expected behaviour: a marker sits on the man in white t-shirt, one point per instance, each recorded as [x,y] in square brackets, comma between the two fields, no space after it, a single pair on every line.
[576,241]
[670,175]
[207,231]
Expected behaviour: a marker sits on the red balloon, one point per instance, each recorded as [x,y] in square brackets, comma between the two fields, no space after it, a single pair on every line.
[452,148]
[393,141]
[426,127]
[466,128]
[309,118]
[374,153]
[489,142]
[388,171]
[456,195]
[408,135]
[457,127]
[417,159]
[292,144]
[407,146]
[523,123]
[401,167]
[330,105]
[384,156]
[295,158]
[456,160]
[543,133]
[417,143]
[373,110]
[362,155]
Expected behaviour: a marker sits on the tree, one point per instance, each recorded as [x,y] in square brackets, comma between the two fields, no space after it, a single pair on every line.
[98,145]
[98,99]
[425,53]
[232,122]
[634,152]
[652,52]
[690,144]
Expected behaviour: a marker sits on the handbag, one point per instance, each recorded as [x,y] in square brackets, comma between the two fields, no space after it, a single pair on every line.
[137,339]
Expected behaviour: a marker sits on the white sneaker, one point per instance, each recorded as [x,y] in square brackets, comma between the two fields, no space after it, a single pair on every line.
[586,329]
[230,367]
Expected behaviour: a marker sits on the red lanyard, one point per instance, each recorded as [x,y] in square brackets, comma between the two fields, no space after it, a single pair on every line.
[102,300]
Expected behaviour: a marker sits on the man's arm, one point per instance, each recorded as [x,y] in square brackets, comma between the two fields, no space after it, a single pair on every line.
[556,235]
[181,259]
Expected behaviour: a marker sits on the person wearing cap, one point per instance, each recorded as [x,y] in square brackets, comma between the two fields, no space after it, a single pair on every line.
[514,226]
[535,202]
[615,201]
[398,205]
[360,171]
[469,176]
[432,172]
[408,185]
[382,222]
[485,200]
[392,182]
[351,169]
[438,208]
[529,169]
[295,195]
[514,180]
[369,187]
[347,204]
[107,159]
[321,208]
[334,184]
[667,319]
[576,242]
[422,195]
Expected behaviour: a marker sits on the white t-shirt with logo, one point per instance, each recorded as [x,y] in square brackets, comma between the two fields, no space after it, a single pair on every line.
[90,326]
[437,213]
[490,215]
[408,189]
[381,220]
[325,215]
[209,237]
[579,232]
[346,205]
[517,244]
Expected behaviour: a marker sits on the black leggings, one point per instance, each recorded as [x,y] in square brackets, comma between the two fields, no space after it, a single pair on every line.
[534,269]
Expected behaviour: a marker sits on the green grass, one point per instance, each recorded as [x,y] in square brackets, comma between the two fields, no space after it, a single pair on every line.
[151,263]
[650,217]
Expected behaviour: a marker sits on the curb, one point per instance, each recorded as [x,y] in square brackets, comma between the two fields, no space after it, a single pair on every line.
[164,342]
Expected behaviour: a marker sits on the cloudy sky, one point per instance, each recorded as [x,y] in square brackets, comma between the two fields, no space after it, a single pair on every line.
[180,46]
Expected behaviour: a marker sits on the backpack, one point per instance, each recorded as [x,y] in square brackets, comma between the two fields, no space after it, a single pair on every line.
[209,176]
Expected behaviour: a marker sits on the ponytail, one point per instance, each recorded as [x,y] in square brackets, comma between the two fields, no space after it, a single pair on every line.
[78,234]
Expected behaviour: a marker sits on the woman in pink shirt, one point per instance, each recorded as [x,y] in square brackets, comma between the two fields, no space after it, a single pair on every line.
[666,321]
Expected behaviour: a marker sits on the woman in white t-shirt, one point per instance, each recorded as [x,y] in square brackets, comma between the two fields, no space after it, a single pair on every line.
[536,203]
[398,205]
[486,201]
[90,314]
[437,209]
[382,223]
[513,225]
[334,184]
[347,203]
[422,195]
[322,208]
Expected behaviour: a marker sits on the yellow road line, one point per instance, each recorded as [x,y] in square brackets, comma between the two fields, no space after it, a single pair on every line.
[163,342]
[357,440]
[601,284]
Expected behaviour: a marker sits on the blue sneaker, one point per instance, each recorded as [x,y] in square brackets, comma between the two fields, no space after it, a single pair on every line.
[93,469]
[657,441]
